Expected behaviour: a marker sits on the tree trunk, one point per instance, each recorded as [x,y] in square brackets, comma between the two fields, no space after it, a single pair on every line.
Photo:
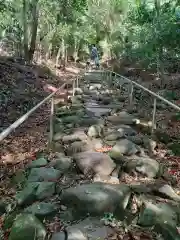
[63,59]
[35,16]
[76,50]
[159,50]
[48,54]
[25,30]
[58,56]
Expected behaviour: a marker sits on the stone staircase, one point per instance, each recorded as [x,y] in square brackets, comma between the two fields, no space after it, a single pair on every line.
[104,180]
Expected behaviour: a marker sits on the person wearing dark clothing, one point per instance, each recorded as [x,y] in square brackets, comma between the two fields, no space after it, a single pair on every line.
[94,55]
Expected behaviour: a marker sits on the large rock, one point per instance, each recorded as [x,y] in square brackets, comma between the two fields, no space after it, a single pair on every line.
[43,174]
[28,194]
[143,165]
[167,231]
[88,121]
[96,109]
[138,139]
[151,214]
[94,162]
[94,228]
[79,146]
[76,234]
[58,236]
[41,162]
[122,118]
[126,130]
[45,189]
[97,198]
[113,136]
[149,144]
[19,177]
[78,91]
[2,207]
[27,226]
[96,131]
[42,209]
[123,147]
[70,119]
[167,192]
[61,163]
[162,217]
[97,143]
[95,86]
[77,136]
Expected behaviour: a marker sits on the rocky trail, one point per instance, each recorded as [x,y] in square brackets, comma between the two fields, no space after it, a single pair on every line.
[106,178]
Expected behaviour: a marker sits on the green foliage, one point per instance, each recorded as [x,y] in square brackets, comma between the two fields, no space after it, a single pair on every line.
[139,30]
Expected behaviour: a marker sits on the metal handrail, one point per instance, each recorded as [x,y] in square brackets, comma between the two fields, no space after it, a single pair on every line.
[145,89]
[18,122]
[156,96]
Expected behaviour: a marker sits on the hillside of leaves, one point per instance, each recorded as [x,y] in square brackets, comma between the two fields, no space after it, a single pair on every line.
[22,88]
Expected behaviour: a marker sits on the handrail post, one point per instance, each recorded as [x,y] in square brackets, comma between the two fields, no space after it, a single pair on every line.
[51,130]
[106,77]
[77,82]
[115,77]
[73,87]
[154,116]
[110,79]
[131,94]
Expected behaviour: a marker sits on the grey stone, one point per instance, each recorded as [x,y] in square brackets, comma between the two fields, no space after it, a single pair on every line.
[27,226]
[97,198]
[122,118]
[113,136]
[78,91]
[96,131]
[27,195]
[79,146]
[136,139]
[58,236]
[144,165]
[94,162]
[126,130]
[61,163]
[97,143]
[149,144]
[123,147]
[19,177]
[167,231]
[95,86]
[168,192]
[77,136]
[2,207]
[76,234]
[156,213]
[43,174]
[45,189]
[41,209]
[93,228]
[41,162]
[96,109]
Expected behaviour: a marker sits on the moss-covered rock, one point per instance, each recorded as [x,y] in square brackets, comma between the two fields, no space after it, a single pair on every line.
[175,148]
[96,131]
[27,195]
[27,226]
[40,162]
[42,209]
[163,137]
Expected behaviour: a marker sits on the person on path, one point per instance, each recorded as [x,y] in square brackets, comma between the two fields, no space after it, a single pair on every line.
[94,55]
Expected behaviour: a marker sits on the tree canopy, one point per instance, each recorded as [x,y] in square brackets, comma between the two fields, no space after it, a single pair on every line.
[146,31]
